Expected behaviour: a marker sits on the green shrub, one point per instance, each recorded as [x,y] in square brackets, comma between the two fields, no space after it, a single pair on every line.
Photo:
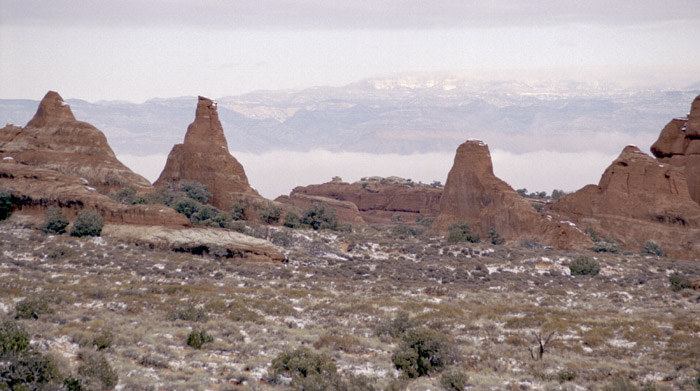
[196,191]
[652,248]
[95,372]
[583,265]
[407,230]
[31,308]
[461,232]
[425,221]
[61,252]
[679,282]
[55,222]
[606,245]
[125,195]
[13,338]
[103,340]
[21,366]
[197,338]
[318,216]
[28,370]
[422,351]
[397,326]
[88,223]
[6,204]
[302,362]
[270,214]
[205,215]
[454,380]
[186,206]
[189,313]
[292,220]
[238,211]
[494,237]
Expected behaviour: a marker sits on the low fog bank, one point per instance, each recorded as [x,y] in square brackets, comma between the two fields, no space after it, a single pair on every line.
[278,172]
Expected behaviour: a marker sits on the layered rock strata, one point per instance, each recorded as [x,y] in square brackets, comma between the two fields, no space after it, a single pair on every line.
[54,139]
[204,158]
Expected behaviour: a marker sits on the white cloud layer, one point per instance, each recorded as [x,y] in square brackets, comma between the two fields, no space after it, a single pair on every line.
[278,172]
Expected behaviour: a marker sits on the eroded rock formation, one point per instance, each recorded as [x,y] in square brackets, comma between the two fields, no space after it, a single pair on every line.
[346,212]
[38,188]
[475,195]
[679,145]
[638,199]
[379,199]
[204,158]
[54,139]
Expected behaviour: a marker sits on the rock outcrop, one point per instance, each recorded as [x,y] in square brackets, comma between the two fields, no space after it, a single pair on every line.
[638,199]
[204,158]
[379,199]
[346,212]
[679,145]
[222,243]
[38,188]
[475,195]
[54,139]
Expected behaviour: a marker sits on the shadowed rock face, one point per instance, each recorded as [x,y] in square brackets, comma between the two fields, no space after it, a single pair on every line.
[204,158]
[679,145]
[54,139]
[475,195]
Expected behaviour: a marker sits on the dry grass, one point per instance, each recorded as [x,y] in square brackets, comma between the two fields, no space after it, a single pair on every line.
[335,292]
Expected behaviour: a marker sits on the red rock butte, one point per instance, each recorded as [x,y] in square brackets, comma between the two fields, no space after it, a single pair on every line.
[55,140]
[679,145]
[204,158]
[475,195]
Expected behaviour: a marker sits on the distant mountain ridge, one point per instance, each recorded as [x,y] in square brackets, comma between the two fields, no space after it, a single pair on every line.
[399,114]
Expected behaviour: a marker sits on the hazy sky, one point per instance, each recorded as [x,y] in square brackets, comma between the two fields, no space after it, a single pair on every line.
[134,49]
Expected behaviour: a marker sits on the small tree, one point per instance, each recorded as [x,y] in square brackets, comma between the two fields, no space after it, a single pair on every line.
[55,222]
[88,223]
[583,265]
[461,232]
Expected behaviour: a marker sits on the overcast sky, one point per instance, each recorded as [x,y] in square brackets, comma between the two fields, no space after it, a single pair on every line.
[135,50]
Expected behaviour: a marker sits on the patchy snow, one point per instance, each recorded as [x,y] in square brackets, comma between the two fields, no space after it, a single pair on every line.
[8,158]
[622,343]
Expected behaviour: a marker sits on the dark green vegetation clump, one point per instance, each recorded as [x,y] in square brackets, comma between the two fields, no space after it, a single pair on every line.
[584,266]
[461,232]
[454,380]
[197,338]
[652,248]
[679,282]
[311,371]
[423,351]
[55,222]
[24,367]
[88,223]
[6,203]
